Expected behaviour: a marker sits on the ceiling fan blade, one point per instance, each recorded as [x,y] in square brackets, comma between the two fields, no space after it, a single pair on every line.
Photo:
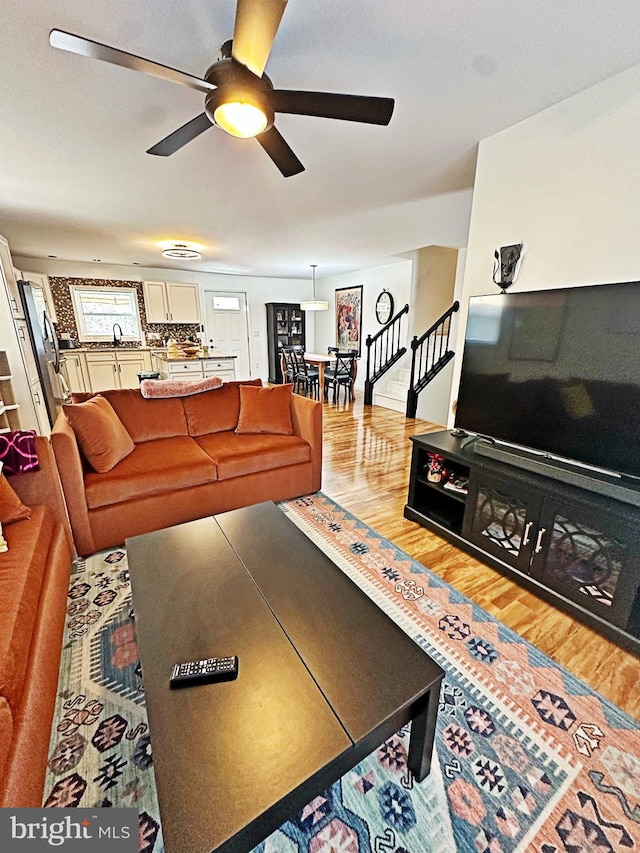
[330,105]
[256,25]
[278,149]
[95,50]
[172,143]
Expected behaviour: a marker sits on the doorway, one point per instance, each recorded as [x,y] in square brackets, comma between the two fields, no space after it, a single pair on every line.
[227,327]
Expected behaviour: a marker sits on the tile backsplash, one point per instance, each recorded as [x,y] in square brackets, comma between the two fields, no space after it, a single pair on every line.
[66,322]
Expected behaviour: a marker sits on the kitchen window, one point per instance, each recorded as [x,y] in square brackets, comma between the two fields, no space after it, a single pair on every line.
[98,309]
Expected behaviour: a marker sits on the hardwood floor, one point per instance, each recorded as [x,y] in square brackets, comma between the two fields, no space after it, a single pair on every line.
[367,455]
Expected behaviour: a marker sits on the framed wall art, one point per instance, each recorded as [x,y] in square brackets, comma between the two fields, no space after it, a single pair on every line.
[349,317]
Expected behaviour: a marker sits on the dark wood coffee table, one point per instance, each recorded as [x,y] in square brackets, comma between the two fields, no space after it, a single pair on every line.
[325,677]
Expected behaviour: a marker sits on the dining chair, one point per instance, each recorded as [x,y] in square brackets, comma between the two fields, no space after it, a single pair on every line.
[306,377]
[340,374]
[289,363]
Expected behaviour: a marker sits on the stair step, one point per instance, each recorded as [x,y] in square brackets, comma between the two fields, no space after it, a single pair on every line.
[387,402]
[396,389]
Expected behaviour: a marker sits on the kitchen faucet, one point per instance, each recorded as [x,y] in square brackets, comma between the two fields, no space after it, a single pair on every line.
[116,341]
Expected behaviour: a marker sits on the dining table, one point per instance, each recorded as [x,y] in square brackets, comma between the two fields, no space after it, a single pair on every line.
[320,360]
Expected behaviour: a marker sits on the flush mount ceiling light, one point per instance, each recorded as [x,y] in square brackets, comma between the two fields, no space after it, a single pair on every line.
[314,304]
[182,251]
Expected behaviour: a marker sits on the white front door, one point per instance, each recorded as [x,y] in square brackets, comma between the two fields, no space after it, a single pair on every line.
[227,327]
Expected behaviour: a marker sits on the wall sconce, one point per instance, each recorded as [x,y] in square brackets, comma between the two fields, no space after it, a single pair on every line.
[506,265]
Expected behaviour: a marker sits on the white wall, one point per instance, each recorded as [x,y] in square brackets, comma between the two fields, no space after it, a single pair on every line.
[258,290]
[566,183]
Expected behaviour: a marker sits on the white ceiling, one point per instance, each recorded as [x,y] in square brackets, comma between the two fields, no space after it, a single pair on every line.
[75,180]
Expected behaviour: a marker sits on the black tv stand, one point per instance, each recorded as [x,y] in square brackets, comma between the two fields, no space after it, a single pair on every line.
[572,537]
[598,482]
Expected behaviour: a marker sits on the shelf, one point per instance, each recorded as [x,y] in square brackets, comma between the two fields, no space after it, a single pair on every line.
[439,487]
[429,503]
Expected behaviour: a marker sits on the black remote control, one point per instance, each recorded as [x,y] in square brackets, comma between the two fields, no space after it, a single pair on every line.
[201,671]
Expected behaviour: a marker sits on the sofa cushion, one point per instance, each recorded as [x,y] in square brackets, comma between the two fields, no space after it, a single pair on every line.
[153,468]
[100,433]
[144,420]
[265,410]
[22,569]
[215,411]
[11,507]
[237,455]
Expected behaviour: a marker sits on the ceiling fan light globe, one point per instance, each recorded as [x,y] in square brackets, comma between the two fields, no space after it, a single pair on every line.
[240,119]
[240,110]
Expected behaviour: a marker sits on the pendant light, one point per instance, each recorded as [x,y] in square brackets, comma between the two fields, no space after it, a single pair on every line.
[314,304]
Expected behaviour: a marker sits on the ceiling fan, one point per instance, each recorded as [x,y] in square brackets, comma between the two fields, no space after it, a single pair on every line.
[239,97]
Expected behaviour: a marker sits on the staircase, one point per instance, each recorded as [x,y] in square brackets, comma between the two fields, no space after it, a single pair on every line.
[405,375]
[391,393]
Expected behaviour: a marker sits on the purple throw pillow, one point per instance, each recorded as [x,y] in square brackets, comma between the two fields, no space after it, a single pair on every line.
[18,451]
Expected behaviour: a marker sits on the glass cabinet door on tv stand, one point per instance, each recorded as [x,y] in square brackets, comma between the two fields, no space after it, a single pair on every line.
[285,328]
[501,518]
[593,558]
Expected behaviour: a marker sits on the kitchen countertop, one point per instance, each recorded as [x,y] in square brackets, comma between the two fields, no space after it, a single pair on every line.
[157,351]
[71,350]
[162,354]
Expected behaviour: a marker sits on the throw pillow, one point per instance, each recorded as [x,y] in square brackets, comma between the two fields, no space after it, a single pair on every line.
[215,411]
[100,433]
[11,507]
[265,410]
[18,451]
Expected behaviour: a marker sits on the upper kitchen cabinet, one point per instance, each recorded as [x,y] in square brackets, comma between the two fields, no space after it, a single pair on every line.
[171,302]
[43,281]
[8,276]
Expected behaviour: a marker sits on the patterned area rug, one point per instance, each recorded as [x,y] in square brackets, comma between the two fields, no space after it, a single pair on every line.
[528,757]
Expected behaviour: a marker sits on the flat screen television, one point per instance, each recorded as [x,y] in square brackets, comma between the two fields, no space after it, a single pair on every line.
[557,371]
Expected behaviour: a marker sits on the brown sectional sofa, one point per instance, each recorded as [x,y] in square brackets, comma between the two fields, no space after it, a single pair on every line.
[188,462]
[34,581]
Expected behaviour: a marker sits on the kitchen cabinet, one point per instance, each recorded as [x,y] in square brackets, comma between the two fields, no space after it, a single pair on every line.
[171,302]
[224,368]
[26,349]
[102,371]
[9,275]
[43,281]
[113,369]
[194,368]
[73,367]
[574,544]
[42,416]
[129,365]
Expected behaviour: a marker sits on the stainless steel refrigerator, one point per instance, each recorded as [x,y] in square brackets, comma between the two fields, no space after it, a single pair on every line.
[44,343]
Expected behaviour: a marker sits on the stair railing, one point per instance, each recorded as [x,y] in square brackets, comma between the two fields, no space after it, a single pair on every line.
[383,351]
[430,354]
